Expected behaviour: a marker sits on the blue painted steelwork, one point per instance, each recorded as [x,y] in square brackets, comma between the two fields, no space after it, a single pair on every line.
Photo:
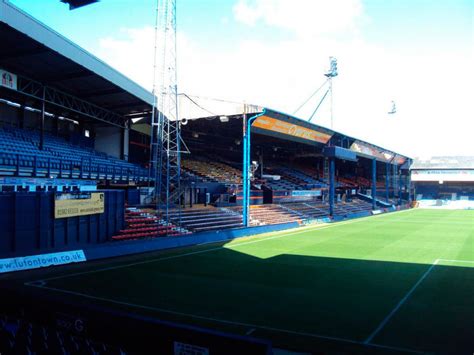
[332,183]
[246,167]
[387,181]
[374,183]
[339,153]
[400,187]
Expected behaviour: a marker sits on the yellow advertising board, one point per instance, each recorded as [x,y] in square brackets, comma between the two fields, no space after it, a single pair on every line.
[278,126]
[73,205]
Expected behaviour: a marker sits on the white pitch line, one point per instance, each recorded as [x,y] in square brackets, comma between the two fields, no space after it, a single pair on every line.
[457,261]
[315,228]
[396,348]
[402,301]
[223,321]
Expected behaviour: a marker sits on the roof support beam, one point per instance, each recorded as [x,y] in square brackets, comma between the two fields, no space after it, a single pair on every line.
[96,93]
[126,104]
[55,97]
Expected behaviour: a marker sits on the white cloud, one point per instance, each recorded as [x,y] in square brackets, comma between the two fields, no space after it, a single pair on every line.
[434,110]
[304,17]
[131,54]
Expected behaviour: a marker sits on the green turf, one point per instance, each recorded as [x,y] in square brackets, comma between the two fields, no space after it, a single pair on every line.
[302,286]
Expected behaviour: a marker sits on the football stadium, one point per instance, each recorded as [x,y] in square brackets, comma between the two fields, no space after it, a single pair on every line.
[127,228]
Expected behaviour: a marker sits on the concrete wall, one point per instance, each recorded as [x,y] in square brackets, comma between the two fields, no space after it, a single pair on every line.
[109,141]
[32,120]
[8,114]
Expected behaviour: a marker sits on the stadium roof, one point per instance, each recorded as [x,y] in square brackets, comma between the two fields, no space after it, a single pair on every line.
[35,51]
[277,125]
[444,162]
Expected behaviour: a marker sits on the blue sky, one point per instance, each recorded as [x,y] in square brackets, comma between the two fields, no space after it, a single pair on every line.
[273,53]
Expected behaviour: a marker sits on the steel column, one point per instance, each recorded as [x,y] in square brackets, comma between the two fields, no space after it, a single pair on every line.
[332,187]
[43,110]
[246,169]
[374,183]
[399,186]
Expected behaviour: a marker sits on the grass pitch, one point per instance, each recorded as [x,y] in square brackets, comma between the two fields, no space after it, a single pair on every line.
[393,283]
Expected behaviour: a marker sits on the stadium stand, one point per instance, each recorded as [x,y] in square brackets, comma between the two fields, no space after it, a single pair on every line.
[207,219]
[443,177]
[307,211]
[319,211]
[21,156]
[307,181]
[145,224]
[261,215]
[212,171]
[347,182]
[88,131]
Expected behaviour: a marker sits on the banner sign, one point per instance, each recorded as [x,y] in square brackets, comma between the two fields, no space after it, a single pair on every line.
[42,260]
[81,204]
[305,193]
[289,129]
[399,160]
[8,79]
[442,175]
[362,148]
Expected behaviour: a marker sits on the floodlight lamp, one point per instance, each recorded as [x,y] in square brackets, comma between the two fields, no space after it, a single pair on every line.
[332,72]
[224,119]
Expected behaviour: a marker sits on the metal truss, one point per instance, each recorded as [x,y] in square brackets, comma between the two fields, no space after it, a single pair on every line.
[166,135]
[58,98]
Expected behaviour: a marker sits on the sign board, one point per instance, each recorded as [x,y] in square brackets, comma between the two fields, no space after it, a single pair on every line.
[42,260]
[442,175]
[286,128]
[8,80]
[81,204]
[305,193]
[188,349]
[368,150]
[400,160]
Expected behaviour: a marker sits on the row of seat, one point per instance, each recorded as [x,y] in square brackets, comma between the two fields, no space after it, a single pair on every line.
[212,171]
[146,224]
[21,336]
[270,214]
[206,219]
[20,155]
[321,210]
[142,224]
[301,178]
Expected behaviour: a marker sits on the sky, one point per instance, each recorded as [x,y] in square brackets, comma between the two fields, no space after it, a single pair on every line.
[274,53]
